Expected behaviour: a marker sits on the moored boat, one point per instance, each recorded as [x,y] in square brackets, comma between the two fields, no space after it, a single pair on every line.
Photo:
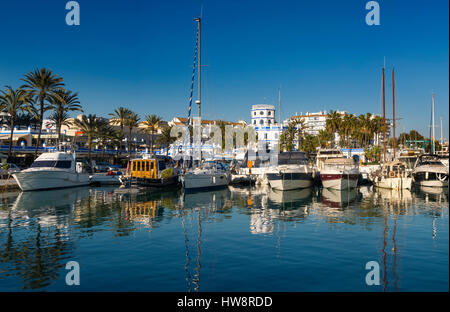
[52,171]
[293,172]
[156,171]
[340,173]
[430,171]
[210,174]
[392,175]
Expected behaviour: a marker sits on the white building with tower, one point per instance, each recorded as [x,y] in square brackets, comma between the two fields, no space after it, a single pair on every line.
[266,127]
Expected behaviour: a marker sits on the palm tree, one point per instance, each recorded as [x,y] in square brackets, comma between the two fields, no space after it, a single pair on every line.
[60,119]
[324,137]
[12,101]
[309,143]
[294,131]
[165,139]
[151,123]
[42,84]
[333,122]
[104,135]
[90,126]
[365,127]
[62,102]
[120,116]
[131,122]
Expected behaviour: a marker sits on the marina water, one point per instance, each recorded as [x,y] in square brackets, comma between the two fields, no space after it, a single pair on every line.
[233,239]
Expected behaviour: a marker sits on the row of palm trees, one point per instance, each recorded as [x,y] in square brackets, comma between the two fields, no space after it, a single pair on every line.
[356,130]
[41,92]
[44,91]
[353,131]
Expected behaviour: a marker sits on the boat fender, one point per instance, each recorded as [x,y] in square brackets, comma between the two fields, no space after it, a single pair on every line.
[392,174]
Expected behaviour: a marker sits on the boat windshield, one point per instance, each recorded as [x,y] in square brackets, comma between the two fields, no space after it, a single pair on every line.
[213,165]
[52,164]
[292,158]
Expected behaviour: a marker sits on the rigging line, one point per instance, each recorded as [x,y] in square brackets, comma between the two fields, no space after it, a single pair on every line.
[196,279]
[188,258]
[192,88]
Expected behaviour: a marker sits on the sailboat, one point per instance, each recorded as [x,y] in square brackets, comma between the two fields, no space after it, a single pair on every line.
[209,174]
[429,170]
[393,174]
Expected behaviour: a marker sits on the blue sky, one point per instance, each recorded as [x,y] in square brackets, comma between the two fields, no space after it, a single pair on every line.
[139,54]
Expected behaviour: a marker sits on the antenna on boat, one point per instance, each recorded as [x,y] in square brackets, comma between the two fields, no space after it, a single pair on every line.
[393,105]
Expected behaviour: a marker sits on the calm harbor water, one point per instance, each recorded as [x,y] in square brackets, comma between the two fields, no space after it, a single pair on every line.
[234,239]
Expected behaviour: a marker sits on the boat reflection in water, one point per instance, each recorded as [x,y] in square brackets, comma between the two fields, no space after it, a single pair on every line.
[338,198]
[204,232]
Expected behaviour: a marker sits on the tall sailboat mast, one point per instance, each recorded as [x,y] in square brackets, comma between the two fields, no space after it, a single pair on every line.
[279,105]
[199,33]
[393,105]
[384,122]
[432,123]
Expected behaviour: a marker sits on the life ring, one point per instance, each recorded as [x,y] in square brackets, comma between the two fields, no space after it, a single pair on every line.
[441,177]
[392,174]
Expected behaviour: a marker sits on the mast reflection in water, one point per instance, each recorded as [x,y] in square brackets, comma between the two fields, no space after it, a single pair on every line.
[233,239]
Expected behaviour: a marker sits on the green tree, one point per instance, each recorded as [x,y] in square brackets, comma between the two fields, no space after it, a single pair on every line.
[42,83]
[309,143]
[62,102]
[91,126]
[119,117]
[151,123]
[165,139]
[131,122]
[12,101]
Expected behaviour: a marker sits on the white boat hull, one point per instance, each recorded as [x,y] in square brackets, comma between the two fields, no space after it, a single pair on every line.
[46,179]
[393,183]
[203,181]
[432,183]
[285,185]
[342,183]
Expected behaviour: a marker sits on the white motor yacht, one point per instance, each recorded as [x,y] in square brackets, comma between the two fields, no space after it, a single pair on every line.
[51,171]
[430,171]
[293,172]
[340,173]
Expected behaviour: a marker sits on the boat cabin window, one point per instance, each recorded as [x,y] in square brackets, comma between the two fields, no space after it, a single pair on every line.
[161,165]
[52,164]
[134,166]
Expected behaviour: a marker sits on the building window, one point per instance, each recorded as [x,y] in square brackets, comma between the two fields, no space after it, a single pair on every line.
[254,113]
[254,122]
[261,113]
[269,113]
[261,122]
[265,136]
[269,122]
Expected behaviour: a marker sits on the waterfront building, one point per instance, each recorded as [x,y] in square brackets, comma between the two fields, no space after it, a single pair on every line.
[267,129]
[207,150]
[314,122]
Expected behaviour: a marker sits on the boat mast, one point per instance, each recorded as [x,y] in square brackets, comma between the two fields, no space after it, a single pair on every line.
[199,28]
[198,102]
[393,105]
[442,139]
[432,123]
[384,122]
[279,105]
